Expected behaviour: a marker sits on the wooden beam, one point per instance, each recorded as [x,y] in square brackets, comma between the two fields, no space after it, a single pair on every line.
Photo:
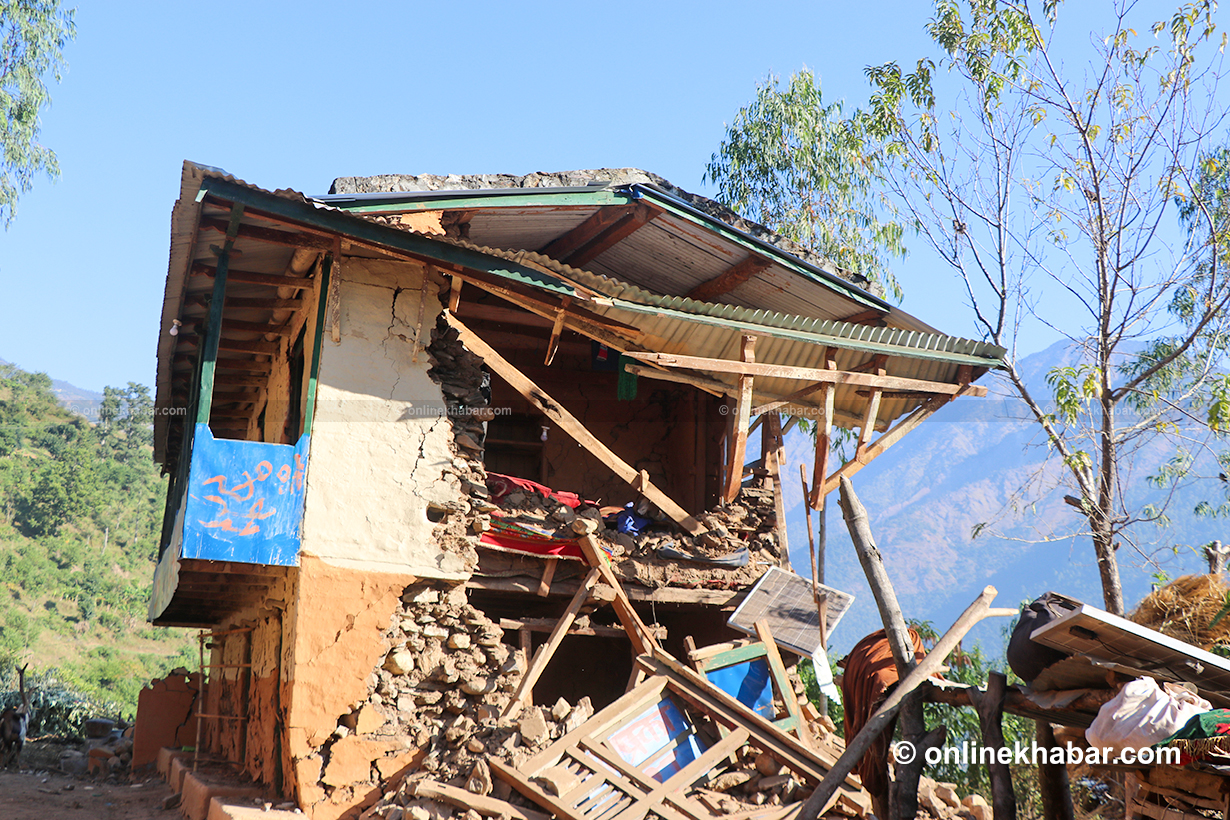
[737,452]
[254,327]
[643,641]
[525,689]
[773,445]
[605,229]
[872,317]
[486,806]
[779,675]
[591,631]
[791,399]
[777,371]
[678,596]
[729,279]
[886,440]
[869,421]
[824,445]
[556,328]
[256,303]
[253,278]
[272,236]
[571,426]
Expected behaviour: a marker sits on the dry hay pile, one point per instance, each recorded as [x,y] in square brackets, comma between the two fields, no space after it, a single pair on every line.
[1185,608]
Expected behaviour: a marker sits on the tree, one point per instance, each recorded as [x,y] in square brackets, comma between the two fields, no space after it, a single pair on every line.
[1052,185]
[803,169]
[34,34]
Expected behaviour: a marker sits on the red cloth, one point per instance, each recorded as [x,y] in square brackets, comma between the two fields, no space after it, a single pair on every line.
[869,674]
[546,547]
[502,485]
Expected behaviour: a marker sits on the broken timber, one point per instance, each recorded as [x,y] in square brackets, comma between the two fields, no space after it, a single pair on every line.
[573,427]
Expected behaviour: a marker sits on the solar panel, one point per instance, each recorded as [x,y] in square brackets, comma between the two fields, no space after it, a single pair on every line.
[784,599]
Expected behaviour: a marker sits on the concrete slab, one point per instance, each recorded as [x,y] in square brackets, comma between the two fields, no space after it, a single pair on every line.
[199,790]
[221,808]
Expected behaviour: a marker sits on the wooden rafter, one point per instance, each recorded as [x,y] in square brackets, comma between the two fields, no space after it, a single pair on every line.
[255,303]
[606,228]
[244,277]
[272,236]
[777,371]
[572,426]
[872,317]
[729,279]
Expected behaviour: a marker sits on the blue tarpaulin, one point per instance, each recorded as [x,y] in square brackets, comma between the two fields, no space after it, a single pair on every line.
[747,682]
[245,500]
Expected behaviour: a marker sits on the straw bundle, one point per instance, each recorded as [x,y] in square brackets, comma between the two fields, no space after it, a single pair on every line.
[1185,607]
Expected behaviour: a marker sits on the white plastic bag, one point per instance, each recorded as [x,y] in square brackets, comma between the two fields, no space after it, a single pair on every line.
[1143,714]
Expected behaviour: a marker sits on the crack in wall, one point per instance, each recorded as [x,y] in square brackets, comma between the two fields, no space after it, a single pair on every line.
[389,335]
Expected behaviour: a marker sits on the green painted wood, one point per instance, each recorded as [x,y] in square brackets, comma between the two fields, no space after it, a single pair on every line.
[326,267]
[737,655]
[213,333]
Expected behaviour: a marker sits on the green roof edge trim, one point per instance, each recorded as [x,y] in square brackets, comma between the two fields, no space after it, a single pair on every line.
[444,199]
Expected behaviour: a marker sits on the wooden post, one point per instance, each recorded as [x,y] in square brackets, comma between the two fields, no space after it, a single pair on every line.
[990,708]
[903,799]
[742,417]
[643,642]
[213,335]
[811,540]
[1216,554]
[824,436]
[857,747]
[774,451]
[1053,779]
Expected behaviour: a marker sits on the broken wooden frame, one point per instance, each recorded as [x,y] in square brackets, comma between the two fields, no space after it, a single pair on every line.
[721,656]
[589,778]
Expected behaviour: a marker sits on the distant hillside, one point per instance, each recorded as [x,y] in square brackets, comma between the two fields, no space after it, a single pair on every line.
[70,394]
[80,516]
[965,467]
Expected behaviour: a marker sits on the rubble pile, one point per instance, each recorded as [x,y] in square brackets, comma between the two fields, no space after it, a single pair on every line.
[940,800]
[436,703]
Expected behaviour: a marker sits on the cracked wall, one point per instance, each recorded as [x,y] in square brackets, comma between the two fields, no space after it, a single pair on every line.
[380,437]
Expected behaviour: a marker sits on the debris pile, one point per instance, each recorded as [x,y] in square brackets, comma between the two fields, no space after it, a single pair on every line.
[435,704]
[940,800]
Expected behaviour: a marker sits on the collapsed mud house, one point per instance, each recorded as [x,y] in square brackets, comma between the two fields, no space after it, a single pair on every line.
[389,414]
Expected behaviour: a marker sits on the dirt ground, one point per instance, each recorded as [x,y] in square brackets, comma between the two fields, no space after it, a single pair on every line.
[38,792]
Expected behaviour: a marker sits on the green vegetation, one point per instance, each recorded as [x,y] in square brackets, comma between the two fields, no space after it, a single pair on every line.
[80,517]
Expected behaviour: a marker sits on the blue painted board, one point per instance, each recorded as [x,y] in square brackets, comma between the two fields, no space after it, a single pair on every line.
[245,500]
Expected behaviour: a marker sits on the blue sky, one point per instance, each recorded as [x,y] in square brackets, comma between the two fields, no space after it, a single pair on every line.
[293,95]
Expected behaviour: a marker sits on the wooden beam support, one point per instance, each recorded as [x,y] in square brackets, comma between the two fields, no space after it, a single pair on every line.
[605,229]
[737,452]
[729,279]
[869,421]
[824,446]
[791,399]
[643,641]
[244,277]
[571,426]
[773,446]
[777,371]
[525,689]
[556,328]
[272,236]
[789,700]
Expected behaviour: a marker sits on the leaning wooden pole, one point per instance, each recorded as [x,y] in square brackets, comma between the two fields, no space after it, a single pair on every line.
[903,798]
[880,721]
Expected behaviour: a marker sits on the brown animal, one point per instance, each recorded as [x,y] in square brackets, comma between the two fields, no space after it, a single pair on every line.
[13,725]
[870,675]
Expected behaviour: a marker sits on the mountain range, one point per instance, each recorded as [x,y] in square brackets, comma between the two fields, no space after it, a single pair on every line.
[976,462]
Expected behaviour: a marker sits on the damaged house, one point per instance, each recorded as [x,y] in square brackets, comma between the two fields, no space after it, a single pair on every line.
[398,418]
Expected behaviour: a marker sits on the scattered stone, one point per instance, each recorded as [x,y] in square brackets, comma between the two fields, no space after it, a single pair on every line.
[533,726]
[479,781]
[729,780]
[768,765]
[400,661]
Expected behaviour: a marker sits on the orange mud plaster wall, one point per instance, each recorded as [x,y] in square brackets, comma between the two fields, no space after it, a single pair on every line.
[381,438]
[340,616]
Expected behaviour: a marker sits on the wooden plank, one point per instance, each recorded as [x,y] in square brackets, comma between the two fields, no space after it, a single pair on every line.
[664,595]
[570,425]
[785,690]
[526,687]
[591,631]
[869,420]
[556,328]
[272,236]
[742,416]
[522,784]
[642,639]
[813,374]
[627,225]
[729,279]
[748,652]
